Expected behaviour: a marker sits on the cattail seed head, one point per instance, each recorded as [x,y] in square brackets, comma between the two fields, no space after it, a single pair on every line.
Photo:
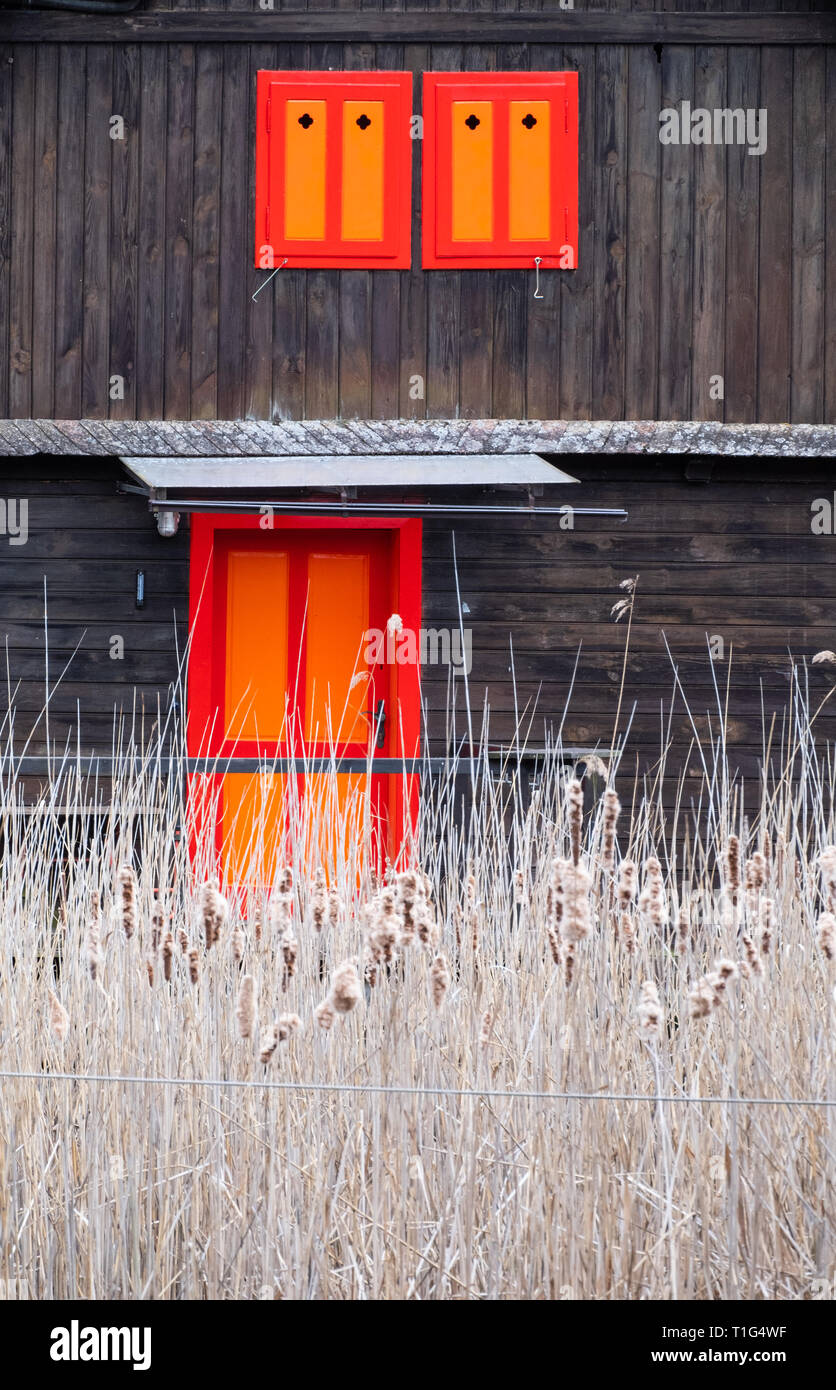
[237,943]
[287,1025]
[573,891]
[683,927]
[731,863]
[649,1012]
[439,979]
[245,1009]
[213,909]
[574,812]
[194,966]
[627,882]
[168,955]
[486,1028]
[126,885]
[94,950]
[157,926]
[183,940]
[269,1042]
[628,933]
[652,901]
[325,1014]
[290,951]
[59,1019]
[756,872]
[409,891]
[827,935]
[752,958]
[320,903]
[345,987]
[611,812]
[149,970]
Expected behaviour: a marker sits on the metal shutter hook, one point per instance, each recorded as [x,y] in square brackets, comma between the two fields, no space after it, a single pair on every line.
[537,294]
[270,277]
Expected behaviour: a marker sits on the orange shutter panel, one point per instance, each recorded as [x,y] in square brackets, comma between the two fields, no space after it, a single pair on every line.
[500,171]
[472,170]
[305,175]
[333,169]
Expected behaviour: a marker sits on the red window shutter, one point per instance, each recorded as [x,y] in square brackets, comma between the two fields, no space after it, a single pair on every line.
[500,175]
[333,169]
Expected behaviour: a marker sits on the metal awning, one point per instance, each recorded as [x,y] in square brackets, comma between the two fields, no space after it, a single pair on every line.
[268,474]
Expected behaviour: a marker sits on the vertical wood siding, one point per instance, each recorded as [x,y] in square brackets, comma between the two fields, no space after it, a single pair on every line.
[133,258]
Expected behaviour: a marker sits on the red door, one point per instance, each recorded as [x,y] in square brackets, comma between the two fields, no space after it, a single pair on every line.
[287,662]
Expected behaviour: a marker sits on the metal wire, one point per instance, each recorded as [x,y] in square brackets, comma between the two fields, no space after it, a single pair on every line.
[337,1086]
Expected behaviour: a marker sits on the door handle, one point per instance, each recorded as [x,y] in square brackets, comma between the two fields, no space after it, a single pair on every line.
[379,717]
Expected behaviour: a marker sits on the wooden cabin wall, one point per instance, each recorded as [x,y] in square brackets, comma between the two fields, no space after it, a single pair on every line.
[733,557]
[134,258]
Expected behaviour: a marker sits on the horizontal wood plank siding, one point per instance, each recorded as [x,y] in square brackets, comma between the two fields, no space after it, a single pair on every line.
[731,560]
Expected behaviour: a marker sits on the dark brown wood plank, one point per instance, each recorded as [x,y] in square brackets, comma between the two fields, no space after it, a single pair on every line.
[433,26]
[576,287]
[124,231]
[235,238]
[21,256]
[413,287]
[709,246]
[808,204]
[46,153]
[642,259]
[69,251]
[830,227]
[95,397]
[610,245]
[775,238]
[206,248]
[6,85]
[178,232]
[150,327]
[742,187]
[258,399]
[675,259]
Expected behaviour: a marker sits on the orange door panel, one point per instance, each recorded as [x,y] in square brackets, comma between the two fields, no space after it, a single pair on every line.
[282,655]
[257,585]
[500,170]
[333,169]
